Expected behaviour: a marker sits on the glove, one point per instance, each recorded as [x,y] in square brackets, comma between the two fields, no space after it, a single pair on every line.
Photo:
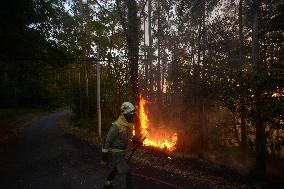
[137,141]
[104,159]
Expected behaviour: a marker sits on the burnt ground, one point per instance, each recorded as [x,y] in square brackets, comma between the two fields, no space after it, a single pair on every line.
[44,156]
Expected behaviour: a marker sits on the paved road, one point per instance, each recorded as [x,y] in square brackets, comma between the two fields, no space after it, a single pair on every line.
[44,156]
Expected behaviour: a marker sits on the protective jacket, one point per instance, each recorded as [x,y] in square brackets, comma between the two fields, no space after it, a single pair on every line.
[118,136]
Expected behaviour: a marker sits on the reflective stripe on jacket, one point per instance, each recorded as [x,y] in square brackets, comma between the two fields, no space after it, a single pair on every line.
[112,150]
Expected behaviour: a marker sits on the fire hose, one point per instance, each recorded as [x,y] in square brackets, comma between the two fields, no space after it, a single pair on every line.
[135,149]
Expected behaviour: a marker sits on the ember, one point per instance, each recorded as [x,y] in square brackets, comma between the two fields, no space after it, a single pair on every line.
[161,139]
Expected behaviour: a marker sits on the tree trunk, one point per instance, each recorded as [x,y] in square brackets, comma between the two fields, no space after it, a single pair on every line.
[80,94]
[86,90]
[133,50]
[164,64]
[199,44]
[159,57]
[150,53]
[242,106]
[99,92]
[84,31]
[145,58]
[259,124]
[244,142]
[203,34]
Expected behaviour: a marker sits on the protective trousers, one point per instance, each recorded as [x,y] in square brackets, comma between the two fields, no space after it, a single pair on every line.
[121,167]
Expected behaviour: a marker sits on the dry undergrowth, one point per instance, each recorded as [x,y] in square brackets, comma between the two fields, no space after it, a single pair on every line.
[175,166]
[86,134]
[198,177]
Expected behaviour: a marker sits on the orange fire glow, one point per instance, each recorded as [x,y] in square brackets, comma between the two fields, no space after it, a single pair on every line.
[160,139]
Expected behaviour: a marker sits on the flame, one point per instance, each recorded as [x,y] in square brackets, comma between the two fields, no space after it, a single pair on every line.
[160,139]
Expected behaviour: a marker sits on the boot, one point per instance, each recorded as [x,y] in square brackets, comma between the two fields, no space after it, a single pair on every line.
[108,185]
[128,177]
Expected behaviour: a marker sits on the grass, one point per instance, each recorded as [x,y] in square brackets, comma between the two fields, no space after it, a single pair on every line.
[11,113]
[84,129]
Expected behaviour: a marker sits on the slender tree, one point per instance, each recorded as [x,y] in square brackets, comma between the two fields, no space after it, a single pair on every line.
[150,48]
[258,119]
[242,105]
[131,29]
[158,96]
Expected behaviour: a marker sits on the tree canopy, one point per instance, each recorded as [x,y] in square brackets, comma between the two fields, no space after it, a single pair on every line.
[208,67]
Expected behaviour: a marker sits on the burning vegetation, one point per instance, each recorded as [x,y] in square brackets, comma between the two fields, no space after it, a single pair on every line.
[158,138]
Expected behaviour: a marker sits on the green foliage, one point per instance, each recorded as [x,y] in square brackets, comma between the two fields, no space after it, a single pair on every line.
[28,61]
[49,48]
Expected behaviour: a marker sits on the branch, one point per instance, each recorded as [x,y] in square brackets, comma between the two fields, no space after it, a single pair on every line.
[143,8]
[101,5]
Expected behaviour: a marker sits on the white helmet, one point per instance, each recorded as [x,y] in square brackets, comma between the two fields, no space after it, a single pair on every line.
[127,108]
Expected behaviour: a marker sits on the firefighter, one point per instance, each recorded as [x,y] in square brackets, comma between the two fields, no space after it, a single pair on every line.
[116,143]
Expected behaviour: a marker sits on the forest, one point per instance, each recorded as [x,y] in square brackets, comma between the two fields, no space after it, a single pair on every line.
[207,74]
